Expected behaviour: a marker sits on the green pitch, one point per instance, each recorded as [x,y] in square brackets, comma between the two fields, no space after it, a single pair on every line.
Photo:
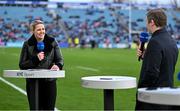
[78,63]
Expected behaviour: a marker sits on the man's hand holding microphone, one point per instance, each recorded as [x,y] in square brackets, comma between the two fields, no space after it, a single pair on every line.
[141,50]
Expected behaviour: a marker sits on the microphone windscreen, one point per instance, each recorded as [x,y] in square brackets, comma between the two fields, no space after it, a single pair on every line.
[178,76]
[40,46]
[144,37]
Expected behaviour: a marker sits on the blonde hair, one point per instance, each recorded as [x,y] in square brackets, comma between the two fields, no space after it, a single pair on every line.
[34,23]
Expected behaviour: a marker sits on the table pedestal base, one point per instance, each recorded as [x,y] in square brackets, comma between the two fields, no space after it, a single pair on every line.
[108,99]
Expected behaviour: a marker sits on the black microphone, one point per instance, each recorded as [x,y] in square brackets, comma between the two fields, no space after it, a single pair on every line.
[143,38]
[40,46]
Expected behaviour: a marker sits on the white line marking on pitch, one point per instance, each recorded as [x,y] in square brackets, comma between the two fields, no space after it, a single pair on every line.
[17,88]
[13,86]
[88,68]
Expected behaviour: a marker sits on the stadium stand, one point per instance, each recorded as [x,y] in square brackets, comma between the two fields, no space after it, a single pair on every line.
[102,23]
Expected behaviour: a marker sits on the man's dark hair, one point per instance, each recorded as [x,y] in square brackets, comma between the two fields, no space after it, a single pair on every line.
[158,16]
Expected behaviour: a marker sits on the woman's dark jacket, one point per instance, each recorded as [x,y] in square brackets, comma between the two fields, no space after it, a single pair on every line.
[29,59]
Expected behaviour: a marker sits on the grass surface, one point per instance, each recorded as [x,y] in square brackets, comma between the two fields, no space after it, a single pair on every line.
[71,96]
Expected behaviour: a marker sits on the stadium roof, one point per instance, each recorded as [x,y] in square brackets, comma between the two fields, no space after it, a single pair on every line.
[137,1]
[156,1]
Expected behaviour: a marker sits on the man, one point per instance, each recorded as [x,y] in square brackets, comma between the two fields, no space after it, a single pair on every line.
[159,59]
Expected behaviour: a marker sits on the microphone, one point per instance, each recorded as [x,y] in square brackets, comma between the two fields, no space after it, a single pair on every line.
[40,46]
[178,76]
[143,38]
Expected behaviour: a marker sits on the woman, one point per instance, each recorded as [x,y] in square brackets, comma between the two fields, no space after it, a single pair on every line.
[48,57]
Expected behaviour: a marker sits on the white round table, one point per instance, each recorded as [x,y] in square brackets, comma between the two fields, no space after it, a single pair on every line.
[35,73]
[108,84]
[164,96]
